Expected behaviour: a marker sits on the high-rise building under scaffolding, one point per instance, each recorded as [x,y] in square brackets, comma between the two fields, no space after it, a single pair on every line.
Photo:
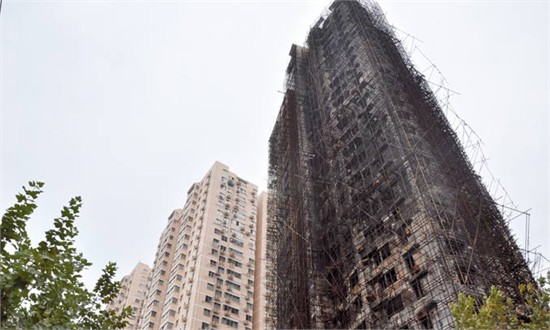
[376,217]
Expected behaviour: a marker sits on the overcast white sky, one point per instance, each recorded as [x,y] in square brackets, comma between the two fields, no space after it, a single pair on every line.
[127,103]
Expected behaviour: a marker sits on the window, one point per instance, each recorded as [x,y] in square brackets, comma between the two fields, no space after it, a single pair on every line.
[231,297]
[206,312]
[236,233]
[208,299]
[380,254]
[388,278]
[234,273]
[211,274]
[233,285]
[464,275]
[418,288]
[454,246]
[230,322]
[354,279]
[236,252]
[410,262]
[230,309]
[210,286]
[394,305]
[234,262]
[425,321]
[205,326]
[236,241]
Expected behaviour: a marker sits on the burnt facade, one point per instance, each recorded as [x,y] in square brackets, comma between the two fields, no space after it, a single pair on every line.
[376,216]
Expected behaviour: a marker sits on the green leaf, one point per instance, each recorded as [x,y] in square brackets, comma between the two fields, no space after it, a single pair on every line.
[41,286]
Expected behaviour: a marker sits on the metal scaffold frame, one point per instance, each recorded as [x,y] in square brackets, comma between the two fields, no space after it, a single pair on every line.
[377,217]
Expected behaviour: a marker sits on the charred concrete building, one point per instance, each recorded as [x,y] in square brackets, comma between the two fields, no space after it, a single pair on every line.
[376,216]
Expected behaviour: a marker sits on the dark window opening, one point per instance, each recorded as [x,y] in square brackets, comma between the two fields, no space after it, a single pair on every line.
[356,305]
[380,254]
[363,325]
[388,278]
[417,288]
[464,275]
[409,260]
[394,305]
[425,321]
[454,246]
[354,279]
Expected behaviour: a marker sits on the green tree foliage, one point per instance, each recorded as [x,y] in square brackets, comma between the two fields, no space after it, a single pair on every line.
[499,312]
[41,286]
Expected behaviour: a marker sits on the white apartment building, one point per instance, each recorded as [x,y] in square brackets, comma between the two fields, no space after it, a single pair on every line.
[203,275]
[132,293]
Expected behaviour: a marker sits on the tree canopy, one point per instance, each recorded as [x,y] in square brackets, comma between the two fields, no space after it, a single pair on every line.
[41,285]
[499,312]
